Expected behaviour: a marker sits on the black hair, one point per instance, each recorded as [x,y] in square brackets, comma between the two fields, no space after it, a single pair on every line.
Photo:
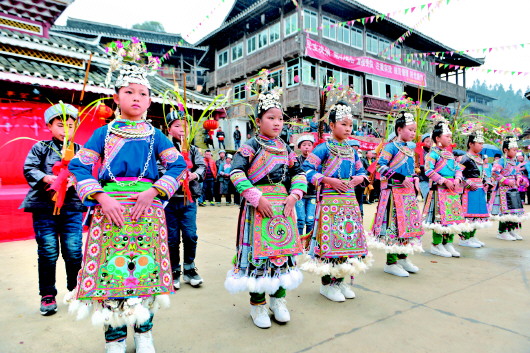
[437,131]
[237,127]
[506,143]
[497,155]
[333,112]
[400,121]
[207,151]
[471,139]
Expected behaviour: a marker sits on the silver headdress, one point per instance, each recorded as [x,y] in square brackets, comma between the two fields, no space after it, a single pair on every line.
[475,129]
[439,119]
[129,59]
[268,100]
[512,142]
[342,112]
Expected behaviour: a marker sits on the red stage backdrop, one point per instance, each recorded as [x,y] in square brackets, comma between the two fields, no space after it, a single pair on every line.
[24,119]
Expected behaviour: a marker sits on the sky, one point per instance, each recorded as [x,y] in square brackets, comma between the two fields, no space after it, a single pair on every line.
[461,25]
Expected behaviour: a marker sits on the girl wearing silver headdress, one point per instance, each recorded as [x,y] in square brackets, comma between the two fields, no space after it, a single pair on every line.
[126,272]
[505,204]
[442,211]
[267,174]
[474,202]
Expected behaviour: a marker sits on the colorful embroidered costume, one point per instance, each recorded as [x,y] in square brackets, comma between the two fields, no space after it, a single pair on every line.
[505,203]
[397,225]
[443,210]
[266,247]
[338,246]
[474,204]
[131,262]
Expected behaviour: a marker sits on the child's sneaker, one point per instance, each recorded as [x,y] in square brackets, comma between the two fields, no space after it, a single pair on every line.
[116,347]
[260,316]
[278,307]
[176,279]
[48,305]
[212,203]
[515,235]
[192,277]
[144,342]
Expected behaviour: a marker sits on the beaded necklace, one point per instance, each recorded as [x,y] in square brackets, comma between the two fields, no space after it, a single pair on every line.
[478,161]
[446,155]
[129,135]
[408,153]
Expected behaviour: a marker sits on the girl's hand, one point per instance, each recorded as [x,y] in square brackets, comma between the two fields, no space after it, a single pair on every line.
[111,208]
[264,207]
[289,202]
[336,184]
[512,183]
[192,176]
[417,185]
[143,199]
[449,184]
[356,180]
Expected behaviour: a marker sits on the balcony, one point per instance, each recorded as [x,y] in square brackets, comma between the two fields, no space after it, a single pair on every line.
[445,88]
[254,62]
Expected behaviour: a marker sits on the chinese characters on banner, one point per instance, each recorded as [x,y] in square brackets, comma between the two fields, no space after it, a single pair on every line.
[369,65]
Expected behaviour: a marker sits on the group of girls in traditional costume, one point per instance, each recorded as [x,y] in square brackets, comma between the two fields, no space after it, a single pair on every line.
[126,271]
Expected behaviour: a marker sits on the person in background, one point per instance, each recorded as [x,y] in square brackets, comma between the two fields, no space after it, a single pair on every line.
[237,138]
[220,137]
[224,180]
[305,208]
[181,213]
[54,233]
[359,188]
[373,194]
[424,180]
[521,165]
[209,178]
[217,187]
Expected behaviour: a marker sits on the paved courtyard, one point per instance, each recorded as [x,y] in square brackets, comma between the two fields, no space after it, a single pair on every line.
[477,303]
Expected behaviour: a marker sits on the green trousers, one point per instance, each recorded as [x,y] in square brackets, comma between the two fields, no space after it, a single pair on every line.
[441,238]
[259,298]
[467,235]
[508,226]
[331,280]
[392,258]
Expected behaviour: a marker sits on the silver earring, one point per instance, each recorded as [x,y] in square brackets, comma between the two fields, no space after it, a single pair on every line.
[144,115]
[117,112]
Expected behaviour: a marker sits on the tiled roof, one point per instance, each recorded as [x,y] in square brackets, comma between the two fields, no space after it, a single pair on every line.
[37,10]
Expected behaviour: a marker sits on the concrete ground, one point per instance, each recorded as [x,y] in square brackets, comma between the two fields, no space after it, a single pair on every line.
[477,303]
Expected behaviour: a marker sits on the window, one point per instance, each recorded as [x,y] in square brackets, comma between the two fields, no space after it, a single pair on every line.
[355,82]
[372,43]
[309,73]
[263,39]
[356,38]
[237,52]
[274,33]
[291,24]
[322,76]
[239,92]
[382,87]
[222,59]
[276,78]
[343,34]
[396,53]
[384,47]
[310,21]
[251,45]
[293,72]
[329,29]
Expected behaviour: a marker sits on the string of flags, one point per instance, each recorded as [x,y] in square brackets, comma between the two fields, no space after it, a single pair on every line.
[407,34]
[470,68]
[478,51]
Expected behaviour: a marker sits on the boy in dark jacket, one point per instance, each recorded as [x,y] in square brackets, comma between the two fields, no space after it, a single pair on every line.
[181,214]
[51,229]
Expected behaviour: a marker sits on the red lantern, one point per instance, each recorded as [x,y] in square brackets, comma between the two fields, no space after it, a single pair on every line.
[103,111]
[210,124]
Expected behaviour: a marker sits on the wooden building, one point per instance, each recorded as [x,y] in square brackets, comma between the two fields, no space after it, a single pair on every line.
[478,103]
[303,46]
